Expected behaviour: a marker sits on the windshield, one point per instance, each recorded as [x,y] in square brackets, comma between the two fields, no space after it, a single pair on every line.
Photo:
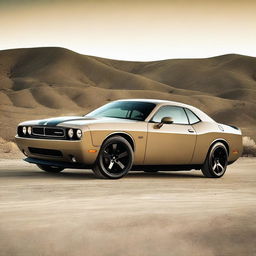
[134,110]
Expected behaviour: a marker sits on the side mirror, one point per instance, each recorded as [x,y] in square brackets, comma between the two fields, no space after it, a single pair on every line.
[164,120]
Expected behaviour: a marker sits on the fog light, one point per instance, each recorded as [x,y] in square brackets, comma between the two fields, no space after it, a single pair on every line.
[24,130]
[73,159]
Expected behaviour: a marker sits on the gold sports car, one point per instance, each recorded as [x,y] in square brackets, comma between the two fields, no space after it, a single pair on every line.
[138,134]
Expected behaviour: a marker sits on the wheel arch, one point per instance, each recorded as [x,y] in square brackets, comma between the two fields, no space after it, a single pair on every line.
[223,141]
[125,135]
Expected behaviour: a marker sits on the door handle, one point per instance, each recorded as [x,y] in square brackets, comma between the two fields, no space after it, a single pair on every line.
[191,130]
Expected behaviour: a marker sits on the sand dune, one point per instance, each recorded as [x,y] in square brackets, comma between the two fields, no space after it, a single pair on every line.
[41,82]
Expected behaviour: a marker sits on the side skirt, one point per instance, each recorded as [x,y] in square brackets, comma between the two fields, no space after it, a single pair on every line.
[165,167]
[70,165]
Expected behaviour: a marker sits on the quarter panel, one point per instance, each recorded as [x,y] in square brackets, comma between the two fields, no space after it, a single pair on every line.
[208,133]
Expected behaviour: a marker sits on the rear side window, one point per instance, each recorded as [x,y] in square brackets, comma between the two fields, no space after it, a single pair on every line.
[192,117]
[176,113]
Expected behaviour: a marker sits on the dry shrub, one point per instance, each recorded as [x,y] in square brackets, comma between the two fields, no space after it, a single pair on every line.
[7,133]
[2,141]
[8,146]
[249,146]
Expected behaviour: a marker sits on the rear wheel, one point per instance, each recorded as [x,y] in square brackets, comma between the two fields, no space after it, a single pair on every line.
[216,161]
[115,158]
[49,168]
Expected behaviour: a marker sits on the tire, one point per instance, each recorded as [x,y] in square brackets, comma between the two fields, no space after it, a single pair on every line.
[115,158]
[216,162]
[50,169]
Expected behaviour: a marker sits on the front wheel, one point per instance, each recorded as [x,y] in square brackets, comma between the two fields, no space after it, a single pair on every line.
[216,161]
[49,168]
[115,158]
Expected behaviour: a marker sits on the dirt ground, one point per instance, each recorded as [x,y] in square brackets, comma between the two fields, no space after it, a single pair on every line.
[165,213]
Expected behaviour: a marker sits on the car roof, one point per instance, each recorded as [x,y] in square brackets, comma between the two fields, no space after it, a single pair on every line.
[203,116]
[156,101]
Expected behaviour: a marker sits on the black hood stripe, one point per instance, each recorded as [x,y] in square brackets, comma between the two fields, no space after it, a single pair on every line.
[54,122]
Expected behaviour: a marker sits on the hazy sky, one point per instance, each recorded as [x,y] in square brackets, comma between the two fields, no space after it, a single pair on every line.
[132,30]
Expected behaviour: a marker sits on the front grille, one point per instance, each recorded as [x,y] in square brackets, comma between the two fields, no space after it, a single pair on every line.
[54,132]
[37,131]
[48,131]
[44,151]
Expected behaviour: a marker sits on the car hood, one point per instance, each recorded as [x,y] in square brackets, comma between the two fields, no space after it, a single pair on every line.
[75,121]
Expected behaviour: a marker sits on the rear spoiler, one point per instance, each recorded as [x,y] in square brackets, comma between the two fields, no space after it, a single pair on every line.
[233,126]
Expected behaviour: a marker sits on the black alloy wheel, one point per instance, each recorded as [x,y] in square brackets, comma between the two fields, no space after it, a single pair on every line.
[115,158]
[216,162]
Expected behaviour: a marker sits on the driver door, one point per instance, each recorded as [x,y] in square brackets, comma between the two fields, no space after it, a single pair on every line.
[172,144]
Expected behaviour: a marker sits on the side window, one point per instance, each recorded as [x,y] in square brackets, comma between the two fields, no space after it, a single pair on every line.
[192,117]
[176,113]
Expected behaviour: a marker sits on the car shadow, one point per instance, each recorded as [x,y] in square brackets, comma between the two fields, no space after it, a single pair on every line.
[38,174]
[166,174]
[88,174]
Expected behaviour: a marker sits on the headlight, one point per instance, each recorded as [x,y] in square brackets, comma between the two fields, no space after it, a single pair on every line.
[79,134]
[70,133]
[29,130]
[24,130]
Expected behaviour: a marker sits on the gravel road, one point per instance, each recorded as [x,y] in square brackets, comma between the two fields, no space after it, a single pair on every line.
[165,213]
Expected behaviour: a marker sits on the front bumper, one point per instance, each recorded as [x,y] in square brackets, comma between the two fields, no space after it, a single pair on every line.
[78,149]
[57,163]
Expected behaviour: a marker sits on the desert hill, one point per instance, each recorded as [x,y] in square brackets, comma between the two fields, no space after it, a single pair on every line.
[43,82]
